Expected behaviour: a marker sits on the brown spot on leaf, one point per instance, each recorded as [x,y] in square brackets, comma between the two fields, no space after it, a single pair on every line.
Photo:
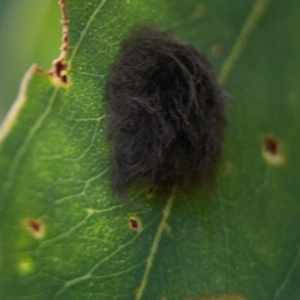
[271,146]
[271,149]
[35,227]
[60,71]
[134,223]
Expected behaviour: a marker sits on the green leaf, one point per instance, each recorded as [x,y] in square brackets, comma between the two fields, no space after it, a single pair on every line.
[63,233]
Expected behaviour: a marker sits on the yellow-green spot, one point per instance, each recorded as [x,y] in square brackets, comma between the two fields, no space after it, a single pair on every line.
[25,266]
[198,12]
[216,50]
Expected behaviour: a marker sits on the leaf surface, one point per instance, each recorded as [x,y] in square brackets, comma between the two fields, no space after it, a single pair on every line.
[63,233]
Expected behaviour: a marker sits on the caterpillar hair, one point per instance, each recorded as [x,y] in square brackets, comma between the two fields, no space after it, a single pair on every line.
[167,114]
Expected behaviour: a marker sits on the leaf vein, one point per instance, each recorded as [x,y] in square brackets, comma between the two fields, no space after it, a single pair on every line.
[257,12]
[22,150]
[85,30]
[155,244]
[288,276]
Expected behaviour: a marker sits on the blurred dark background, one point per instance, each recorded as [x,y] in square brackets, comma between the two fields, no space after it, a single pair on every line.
[30,32]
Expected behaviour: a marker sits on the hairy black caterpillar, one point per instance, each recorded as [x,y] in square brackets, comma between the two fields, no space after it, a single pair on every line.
[167,114]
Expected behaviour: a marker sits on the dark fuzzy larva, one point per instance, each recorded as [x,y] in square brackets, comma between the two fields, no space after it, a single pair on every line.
[166,114]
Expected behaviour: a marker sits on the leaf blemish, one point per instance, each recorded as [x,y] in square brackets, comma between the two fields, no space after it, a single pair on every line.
[226,169]
[58,72]
[36,227]
[198,12]
[150,192]
[216,50]
[272,146]
[134,223]
[61,71]
[271,149]
[25,266]
[167,228]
